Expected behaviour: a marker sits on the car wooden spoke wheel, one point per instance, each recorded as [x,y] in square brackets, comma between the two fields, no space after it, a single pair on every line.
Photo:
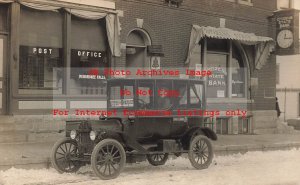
[200,152]
[108,159]
[62,156]
[157,159]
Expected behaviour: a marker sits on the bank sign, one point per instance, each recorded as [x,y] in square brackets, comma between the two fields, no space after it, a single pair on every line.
[287,32]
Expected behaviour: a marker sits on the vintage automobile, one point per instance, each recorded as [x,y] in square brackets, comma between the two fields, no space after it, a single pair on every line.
[146,121]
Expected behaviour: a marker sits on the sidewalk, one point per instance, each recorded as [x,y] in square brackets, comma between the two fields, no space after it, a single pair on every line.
[36,155]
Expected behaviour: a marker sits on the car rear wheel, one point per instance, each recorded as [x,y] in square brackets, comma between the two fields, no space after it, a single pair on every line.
[108,159]
[61,156]
[200,152]
[157,159]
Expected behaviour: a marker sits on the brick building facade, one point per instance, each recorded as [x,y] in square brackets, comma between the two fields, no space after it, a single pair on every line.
[144,23]
[170,27]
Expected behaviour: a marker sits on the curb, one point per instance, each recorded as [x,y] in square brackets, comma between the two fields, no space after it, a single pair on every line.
[233,149]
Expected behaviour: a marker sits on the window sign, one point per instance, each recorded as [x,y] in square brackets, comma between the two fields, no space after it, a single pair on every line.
[40,67]
[88,57]
[217,82]
[40,52]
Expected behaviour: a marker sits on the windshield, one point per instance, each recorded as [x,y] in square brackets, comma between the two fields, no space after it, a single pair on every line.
[196,94]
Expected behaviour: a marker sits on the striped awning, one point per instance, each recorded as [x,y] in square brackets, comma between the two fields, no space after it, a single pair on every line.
[263,45]
[226,33]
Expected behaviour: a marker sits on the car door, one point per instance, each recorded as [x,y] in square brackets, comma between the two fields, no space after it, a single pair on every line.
[180,120]
[144,104]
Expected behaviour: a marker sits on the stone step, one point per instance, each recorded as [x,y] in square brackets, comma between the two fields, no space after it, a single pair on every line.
[14,136]
[15,127]
[7,119]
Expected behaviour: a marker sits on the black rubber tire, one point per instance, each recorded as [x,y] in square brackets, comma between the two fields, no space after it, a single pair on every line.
[108,148]
[200,149]
[59,154]
[157,159]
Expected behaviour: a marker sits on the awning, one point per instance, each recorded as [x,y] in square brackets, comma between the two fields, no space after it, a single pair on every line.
[112,20]
[263,45]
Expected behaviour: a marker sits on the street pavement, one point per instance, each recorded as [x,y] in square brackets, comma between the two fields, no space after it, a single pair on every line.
[36,154]
[253,168]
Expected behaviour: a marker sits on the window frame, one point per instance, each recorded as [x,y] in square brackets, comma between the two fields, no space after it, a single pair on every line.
[223,122]
[35,90]
[241,125]
[47,93]
[229,53]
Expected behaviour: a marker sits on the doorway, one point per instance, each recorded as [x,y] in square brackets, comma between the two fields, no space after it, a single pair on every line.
[136,50]
[3,75]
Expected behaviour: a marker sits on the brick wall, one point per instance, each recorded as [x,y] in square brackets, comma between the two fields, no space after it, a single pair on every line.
[170,27]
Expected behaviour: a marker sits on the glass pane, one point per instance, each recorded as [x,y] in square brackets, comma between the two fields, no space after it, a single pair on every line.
[196,95]
[238,79]
[88,34]
[115,93]
[219,45]
[217,82]
[240,125]
[118,101]
[163,100]
[145,94]
[40,68]
[238,75]
[3,17]
[245,126]
[181,100]
[41,54]
[41,28]
[88,56]
[224,126]
[219,126]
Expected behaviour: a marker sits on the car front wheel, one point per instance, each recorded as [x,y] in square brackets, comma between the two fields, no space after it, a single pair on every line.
[63,154]
[108,159]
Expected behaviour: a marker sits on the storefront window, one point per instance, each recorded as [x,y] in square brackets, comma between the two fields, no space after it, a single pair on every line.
[40,50]
[217,82]
[227,73]
[88,53]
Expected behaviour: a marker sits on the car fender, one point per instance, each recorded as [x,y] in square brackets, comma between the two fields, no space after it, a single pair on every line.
[197,131]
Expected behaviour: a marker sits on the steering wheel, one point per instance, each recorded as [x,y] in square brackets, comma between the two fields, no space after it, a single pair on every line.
[142,104]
